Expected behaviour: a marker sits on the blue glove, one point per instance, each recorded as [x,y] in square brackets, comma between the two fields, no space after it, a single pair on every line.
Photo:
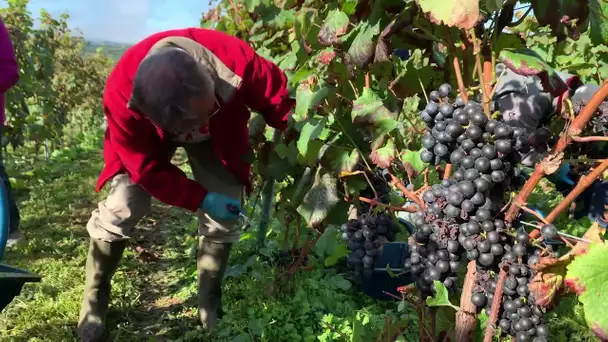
[221,207]
[562,179]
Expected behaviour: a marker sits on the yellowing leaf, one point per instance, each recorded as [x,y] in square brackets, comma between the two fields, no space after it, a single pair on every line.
[460,13]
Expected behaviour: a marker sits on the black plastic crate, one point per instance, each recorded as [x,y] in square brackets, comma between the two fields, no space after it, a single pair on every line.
[394,255]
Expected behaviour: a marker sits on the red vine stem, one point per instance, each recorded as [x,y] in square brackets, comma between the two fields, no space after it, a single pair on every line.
[409,194]
[409,208]
[466,318]
[583,184]
[496,299]
[448,171]
[574,130]
[589,139]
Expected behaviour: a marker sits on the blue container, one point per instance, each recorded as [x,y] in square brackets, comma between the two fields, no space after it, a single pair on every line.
[394,255]
[11,279]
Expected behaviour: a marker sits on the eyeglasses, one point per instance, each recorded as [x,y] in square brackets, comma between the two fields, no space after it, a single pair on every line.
[218,107]
[188,121]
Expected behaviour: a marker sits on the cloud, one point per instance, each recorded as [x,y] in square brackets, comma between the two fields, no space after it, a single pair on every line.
[124,20]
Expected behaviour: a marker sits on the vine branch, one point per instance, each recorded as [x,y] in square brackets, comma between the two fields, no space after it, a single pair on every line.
[496,299]
[574,130]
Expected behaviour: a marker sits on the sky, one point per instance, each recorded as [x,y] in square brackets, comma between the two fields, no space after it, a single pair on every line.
[124,21]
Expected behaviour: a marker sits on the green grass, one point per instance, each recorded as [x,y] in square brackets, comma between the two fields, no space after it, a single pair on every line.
[155,301]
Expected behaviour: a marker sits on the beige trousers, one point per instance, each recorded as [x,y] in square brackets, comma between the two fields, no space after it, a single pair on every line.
[116,216]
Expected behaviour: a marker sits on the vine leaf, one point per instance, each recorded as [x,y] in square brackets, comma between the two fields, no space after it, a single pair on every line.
[412,163]
[548,281]
[326,56]
[527,62]
[551,272]
[441,296]
[306,99]
[588,277]
[493,5]
[368,109]
[340,160]
[310,131]
[598,21]
[463,14]
[334,26]
[362,49]
[384,156]
[320,199]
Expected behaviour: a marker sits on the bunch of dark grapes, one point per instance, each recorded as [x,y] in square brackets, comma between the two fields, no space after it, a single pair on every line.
[366,235]
[462,219]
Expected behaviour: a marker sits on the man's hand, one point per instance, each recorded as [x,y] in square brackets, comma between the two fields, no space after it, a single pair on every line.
[221,207]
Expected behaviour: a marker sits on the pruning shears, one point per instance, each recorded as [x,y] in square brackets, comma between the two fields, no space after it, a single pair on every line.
[231,208]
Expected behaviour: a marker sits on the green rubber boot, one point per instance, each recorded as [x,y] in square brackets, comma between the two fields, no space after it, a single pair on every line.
[102,262]
[212,261]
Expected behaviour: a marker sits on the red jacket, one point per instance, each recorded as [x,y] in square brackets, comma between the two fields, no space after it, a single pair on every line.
[133,144]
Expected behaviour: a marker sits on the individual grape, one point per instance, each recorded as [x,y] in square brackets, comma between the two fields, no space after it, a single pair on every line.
[428,142]
[459,102]
[498,176]
[468,162]
[479,299]
[489,151]
[548,231]
[446,110]
[501,131]
[497,249]
[427,156]
[472,254]
[467,145]
[482,164]
[432,108]
[445,90]
[471,174]
[519,249]
[503,146]
[428,197]
[504,324]
[467,188]
[451,211]
[455,198]
[440,150]
[484,246]
[493,236]
[457,156]
[478,199]
[467,205]
[475,152]
[486,259]
[474,132]
[496,164]
[434,96]
[426,117]
[522,237]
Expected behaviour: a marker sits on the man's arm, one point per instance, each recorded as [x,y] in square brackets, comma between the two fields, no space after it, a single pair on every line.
[9,71]
[266,91]
[135,140]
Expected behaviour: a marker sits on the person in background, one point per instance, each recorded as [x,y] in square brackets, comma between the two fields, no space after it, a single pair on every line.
[9,75]
[191,88]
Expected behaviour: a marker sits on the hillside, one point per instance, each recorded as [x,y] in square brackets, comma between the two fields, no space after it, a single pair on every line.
[112,49]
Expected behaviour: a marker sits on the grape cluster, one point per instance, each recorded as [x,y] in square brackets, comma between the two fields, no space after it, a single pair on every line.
[462,217]
[366,235]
